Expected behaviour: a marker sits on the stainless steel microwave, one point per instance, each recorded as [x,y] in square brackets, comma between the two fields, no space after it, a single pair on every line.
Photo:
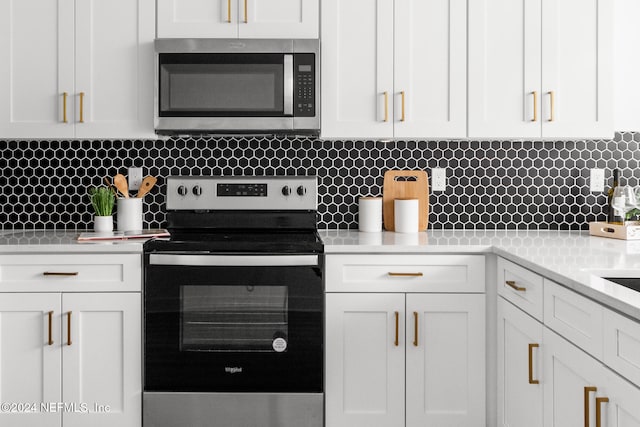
[228,86]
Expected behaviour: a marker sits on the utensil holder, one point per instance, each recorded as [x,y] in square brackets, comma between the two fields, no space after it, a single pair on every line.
[129,214]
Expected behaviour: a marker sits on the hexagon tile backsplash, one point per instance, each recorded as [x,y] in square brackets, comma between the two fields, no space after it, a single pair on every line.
[491,184]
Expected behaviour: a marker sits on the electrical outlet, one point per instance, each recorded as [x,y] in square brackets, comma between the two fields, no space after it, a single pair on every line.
[596,180]
[135,178]
[439,179]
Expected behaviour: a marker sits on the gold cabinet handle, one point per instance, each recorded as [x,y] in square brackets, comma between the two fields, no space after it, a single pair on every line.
[246,17]
[512,284]
[229,11]
[587,390]
[50,323]
[599,402]
[396,342]
[531,347]
[386,106]
[64,107]
[415,328]
[403,116]
[60,273]
[535,106]
[405,274]
[552,99]
[69,328]
[81,107]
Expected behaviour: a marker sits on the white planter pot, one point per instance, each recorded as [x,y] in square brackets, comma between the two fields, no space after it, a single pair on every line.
[102,224]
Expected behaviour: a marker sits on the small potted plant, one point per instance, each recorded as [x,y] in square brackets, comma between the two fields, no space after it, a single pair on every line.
[102,199]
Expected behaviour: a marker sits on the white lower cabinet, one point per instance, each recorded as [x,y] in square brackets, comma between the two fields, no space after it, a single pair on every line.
[405,359]
[71,359]
[551,380]
[519,368]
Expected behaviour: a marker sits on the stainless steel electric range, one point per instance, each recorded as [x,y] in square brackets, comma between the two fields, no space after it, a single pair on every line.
[233,306]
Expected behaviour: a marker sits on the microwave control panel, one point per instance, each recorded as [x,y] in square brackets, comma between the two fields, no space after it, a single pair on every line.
[304,86]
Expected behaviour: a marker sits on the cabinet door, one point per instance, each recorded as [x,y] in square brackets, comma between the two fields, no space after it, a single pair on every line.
[114,68]
[279,19]
[102,361]
[30,357]
[504,68]
[36,68]
[519,368]
[365,360]
[572,381]
[198,18]
[445,360]
[430,74]
[622,409]
[357,69]
[577,45]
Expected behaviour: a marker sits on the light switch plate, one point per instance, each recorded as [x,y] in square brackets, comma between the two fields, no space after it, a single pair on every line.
[596,180]
[438,179]
[135,178]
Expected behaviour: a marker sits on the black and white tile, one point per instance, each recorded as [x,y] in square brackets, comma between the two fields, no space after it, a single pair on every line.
[491,184]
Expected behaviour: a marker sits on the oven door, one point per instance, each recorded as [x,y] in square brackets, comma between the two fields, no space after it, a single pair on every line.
[233,323]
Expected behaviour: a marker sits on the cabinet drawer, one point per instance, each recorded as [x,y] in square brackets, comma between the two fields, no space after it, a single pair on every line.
[575,317]
[622,345]
[405,273]
[71,272]
[521,287]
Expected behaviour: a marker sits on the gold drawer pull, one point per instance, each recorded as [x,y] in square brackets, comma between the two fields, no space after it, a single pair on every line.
[69,329]
[386,106]
[535,106]
[587,390]
[397,328]
[531,347]
[552,98]
[415,328]
[229,11]
[246,17]
[60,273]
[50,322]
[512,283]
[81,108]
[64,107]
[405,274]
[403,116]
[599,402]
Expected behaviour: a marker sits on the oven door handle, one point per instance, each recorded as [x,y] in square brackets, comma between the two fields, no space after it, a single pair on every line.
[288,85]
[234,260]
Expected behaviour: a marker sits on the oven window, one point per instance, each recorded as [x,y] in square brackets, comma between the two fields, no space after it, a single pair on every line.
[234,318]
[221,85]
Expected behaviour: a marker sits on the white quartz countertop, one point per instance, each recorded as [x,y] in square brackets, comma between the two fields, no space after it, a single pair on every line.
[34,241]
[571,258]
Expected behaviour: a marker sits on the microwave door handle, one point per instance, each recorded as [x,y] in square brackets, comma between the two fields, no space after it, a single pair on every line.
[288,85]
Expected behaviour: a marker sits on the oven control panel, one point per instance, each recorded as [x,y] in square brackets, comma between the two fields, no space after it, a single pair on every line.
[242,193]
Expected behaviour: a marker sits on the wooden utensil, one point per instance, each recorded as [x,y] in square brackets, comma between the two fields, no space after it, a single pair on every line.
[121,184]
[405,185]
[147,184]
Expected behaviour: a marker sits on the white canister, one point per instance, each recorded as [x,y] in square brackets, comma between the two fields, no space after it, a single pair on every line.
[406,215]
[370,214]
[129,214]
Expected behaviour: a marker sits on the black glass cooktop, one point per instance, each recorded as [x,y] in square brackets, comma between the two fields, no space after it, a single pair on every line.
[237,241]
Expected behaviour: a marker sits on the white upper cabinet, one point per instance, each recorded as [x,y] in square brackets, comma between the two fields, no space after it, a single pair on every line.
[430,73]
[36,70]
[238,18]
[393,69]
[76,69]
[114,88]
[540,68]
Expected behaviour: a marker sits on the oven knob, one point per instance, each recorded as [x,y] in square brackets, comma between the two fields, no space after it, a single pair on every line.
[197,190]
[286,190]
[182,190]
[301,191]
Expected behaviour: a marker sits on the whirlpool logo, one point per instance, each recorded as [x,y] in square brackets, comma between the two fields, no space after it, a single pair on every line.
[233,370]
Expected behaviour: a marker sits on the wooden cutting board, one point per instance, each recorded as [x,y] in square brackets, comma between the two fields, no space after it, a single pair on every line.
[405,185]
